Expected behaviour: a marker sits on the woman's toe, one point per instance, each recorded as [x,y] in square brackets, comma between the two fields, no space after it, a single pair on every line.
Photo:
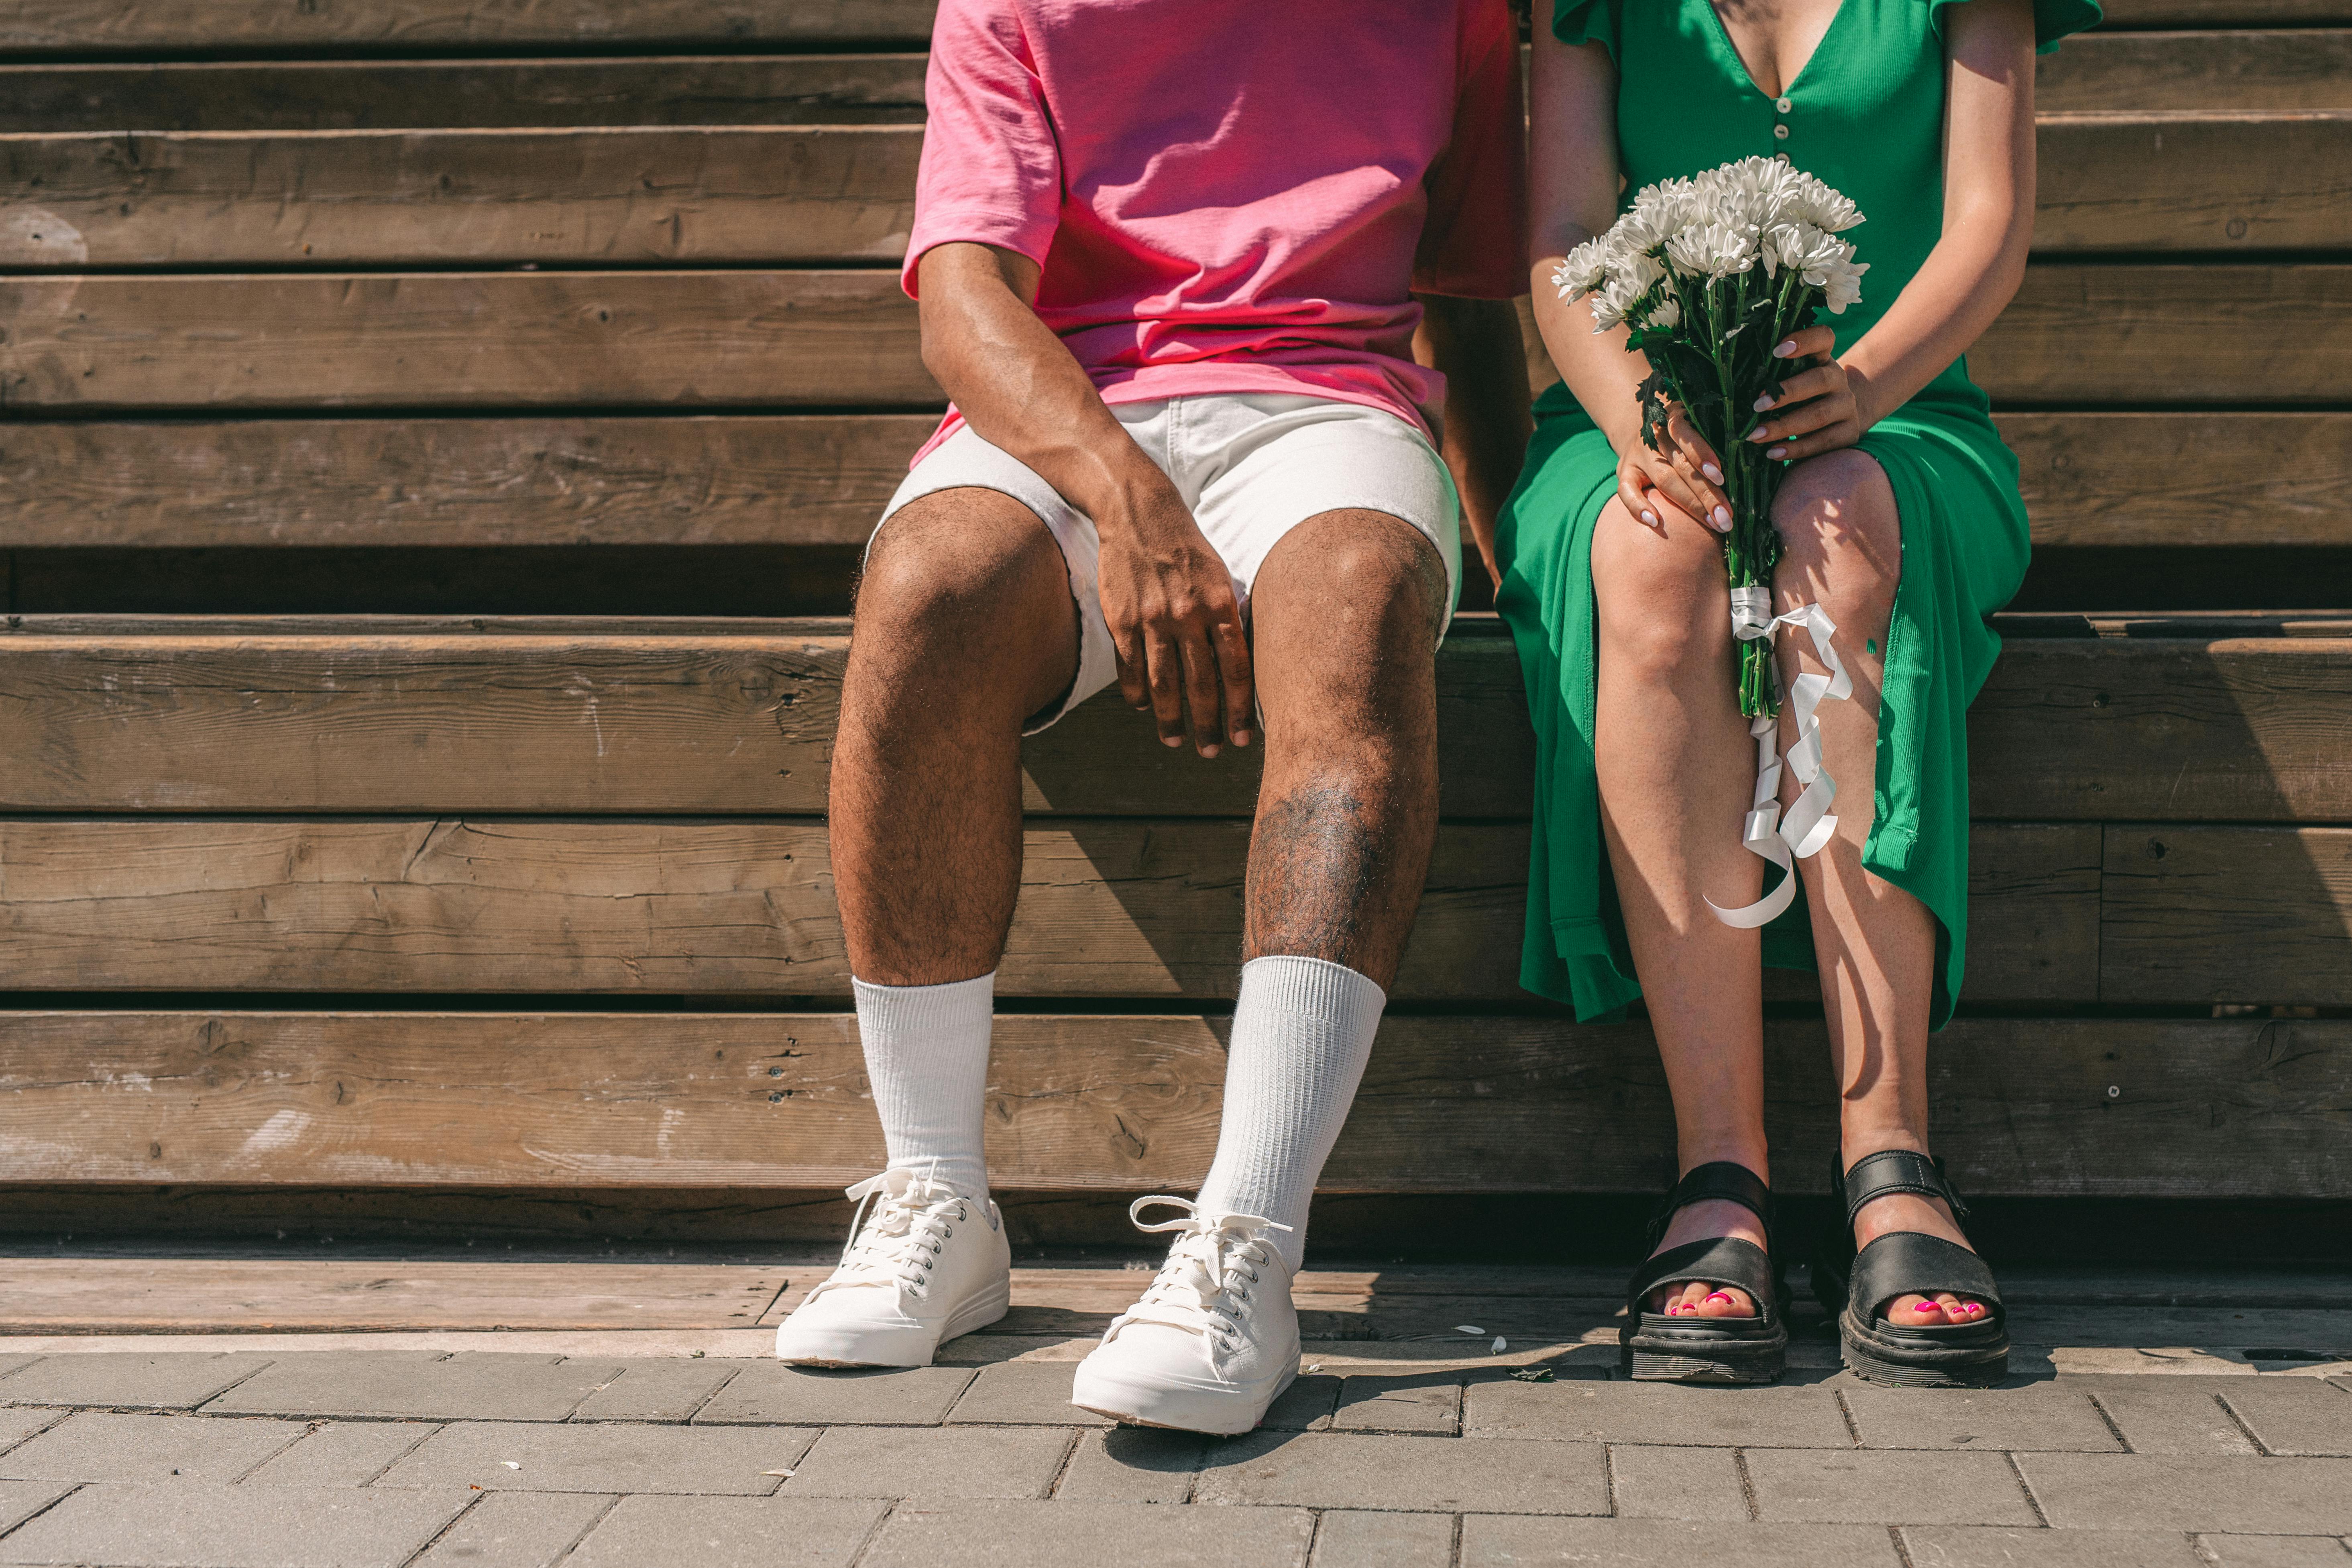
[1917,1311]
[1726,1303]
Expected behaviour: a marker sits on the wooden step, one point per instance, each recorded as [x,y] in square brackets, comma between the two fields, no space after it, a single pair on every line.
[328,715]
[2040,1106]
[2091,479]
[2288,67]
[2177,915]
[711,194]
[2136,335]
[2127,14]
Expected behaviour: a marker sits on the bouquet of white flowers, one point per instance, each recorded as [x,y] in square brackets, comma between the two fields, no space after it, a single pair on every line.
[1711,273]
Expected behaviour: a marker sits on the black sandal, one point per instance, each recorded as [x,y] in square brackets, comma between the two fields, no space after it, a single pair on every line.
[1656,1348]
[1905,1263]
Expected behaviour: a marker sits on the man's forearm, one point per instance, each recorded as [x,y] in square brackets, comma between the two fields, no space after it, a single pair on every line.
[1476,343]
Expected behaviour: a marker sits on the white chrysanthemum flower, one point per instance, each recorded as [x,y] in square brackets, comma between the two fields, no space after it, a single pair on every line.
[1712,250]
[1582,269]
[1667,314]
[1826,208]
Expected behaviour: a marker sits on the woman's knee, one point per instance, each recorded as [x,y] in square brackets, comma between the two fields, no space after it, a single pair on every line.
[1841,537]
[1661,597]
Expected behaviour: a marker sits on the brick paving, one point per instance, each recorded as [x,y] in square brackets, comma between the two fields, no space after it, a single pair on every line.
[374,1459]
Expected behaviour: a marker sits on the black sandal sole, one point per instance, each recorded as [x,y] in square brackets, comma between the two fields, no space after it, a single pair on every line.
[1682,1355]
[1915,1363]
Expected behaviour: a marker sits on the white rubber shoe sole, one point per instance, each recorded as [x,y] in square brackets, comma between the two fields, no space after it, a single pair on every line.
[886,1344]
[1220,1410]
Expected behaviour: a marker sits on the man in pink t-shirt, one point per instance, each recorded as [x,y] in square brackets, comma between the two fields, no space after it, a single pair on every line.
[1220,291]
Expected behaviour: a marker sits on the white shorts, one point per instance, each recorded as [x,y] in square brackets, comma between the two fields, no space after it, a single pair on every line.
[1251,466]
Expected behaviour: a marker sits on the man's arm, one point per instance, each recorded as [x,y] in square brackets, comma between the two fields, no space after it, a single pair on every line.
[1477,344]
[1166,593]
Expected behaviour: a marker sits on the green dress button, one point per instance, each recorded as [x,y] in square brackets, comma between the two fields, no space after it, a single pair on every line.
[1783,105]
[1781,132]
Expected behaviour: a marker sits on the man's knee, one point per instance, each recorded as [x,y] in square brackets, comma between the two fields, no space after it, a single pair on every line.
[1363,581]
[960,568]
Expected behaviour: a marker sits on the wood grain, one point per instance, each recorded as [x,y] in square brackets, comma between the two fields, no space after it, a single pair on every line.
[384,95]
[709,194]
[452,340]
[1122,1104]
[2126,14]
[140,27]
[2233,71]
[2076,334]
[574,718]
[572,196]
[2211,183]
[716,479]
[2118,480]
[2226,914]
[1130,908]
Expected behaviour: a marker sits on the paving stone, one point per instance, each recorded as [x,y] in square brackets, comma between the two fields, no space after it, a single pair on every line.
[10,1363]
[1428,1402]
[420,1385]
[1445,1475]
[932,1465]
[15,1426]
[1134,1464]
[342,1454]
[604,1456]
[1347,1539]
[1088,1535]
[128,1379]
[770,1393]
[91,1445]
[1663,1413]
[2301,1415]
[517,1529]
[2043,1416]
[666,1388]
[2167,1415]
[1023,1394]
[1503,1542]
[235,1527]
[2276,1550]
[1882,1487]
[1305,1406]
[2156,1491]
[20,1501]
[1950,1546]
[1676,1483]
[729,1533]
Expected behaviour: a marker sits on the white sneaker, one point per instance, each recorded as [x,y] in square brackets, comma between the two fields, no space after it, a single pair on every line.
[927,1263]
[1212,1342]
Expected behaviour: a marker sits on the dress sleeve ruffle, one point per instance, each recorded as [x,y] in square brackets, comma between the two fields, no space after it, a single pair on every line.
[1588,22]
[2053,19]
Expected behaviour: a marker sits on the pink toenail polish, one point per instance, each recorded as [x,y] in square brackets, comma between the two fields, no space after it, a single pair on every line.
[1718,1296]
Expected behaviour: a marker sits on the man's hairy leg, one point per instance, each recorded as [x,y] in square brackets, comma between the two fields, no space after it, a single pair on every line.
[964,630]
[1346,611]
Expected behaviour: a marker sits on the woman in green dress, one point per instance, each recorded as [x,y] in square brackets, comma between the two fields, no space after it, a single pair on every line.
[1900,516]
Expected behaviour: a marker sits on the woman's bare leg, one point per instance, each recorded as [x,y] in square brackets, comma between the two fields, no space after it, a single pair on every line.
[1876,944]
[1677,770]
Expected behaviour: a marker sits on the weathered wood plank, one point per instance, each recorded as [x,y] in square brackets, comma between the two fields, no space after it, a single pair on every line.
[2116,480]
[1448,1105]
[2208,183]
[2090,479]
[311,718]
[1108,908]
[163,26]
[716,479]
[2126,14]
[2278,335]
[372,95]
[2304,67]
[473,339]
[572,196]
[2227,915]
[707,194]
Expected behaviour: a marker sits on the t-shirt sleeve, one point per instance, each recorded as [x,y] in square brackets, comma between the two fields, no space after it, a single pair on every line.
[992,171]
[2053,19]
[1473,244]
[1586,22]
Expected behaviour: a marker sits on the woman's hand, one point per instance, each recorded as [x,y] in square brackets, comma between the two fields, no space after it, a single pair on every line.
[1687,475]
[1821,408]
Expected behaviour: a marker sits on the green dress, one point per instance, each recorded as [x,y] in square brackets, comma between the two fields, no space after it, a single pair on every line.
[1865,114]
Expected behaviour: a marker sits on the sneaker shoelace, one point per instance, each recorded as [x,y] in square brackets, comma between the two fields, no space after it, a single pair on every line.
[1215,1261]
[899,1242]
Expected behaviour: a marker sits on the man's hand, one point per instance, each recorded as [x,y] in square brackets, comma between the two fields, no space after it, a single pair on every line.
[1168,600]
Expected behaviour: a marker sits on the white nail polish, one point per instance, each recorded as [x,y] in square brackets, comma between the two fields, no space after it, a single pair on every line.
[1722,517]
[1785,349]
[1650,517]
[1763,403]
[1778,452]
[1714,475]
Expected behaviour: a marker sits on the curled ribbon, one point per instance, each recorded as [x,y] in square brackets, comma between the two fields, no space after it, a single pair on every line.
[1809,825]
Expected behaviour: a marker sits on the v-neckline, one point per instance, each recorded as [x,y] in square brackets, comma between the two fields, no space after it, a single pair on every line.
[1789,87]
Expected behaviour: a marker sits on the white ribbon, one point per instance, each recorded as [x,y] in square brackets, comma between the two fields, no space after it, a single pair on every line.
[1810,825]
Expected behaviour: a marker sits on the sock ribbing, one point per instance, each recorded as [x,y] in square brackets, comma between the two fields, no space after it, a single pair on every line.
[927,1059]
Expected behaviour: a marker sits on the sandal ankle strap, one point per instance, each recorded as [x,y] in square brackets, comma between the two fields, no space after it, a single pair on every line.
[1724,1179]
[1874,1176]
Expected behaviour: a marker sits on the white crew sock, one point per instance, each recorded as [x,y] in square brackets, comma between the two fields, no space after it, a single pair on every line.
[1302,1032]
[927,1058]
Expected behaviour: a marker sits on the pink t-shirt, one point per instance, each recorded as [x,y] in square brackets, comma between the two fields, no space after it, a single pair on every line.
[1232,195]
